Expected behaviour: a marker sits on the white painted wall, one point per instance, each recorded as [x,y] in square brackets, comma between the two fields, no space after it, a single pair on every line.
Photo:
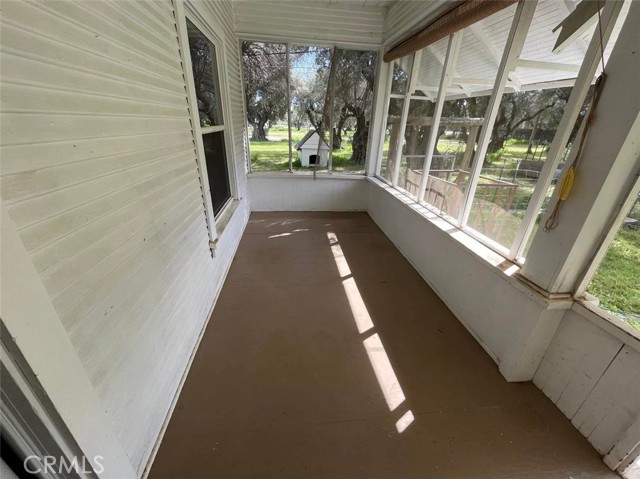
[345,25]
[300,192]
[592,373]
[99,179]
[512,322]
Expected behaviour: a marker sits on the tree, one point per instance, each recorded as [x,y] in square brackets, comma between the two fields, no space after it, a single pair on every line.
[265,85]
[519,108]
[355,77]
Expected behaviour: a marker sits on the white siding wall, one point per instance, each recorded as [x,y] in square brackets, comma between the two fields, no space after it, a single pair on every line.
[310,22]
[593,376]
[278,192]
[100,178]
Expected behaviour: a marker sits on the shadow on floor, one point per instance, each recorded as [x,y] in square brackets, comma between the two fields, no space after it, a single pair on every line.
[327,356]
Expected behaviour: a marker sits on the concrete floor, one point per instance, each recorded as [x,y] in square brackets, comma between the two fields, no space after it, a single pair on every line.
[329,357]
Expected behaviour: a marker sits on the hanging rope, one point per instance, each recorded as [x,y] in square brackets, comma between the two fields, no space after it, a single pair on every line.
[564,189]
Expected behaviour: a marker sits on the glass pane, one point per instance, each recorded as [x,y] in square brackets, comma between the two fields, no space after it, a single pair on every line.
[391,138]
[538,47]
[528,117]
[265,86]
[464,109]
[616,282]
[401,74]
[309,77]
[205,77]
[217,169]
[353,102]
[429,64]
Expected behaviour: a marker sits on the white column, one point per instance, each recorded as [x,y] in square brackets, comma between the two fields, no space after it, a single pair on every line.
[605,174]
[571,111]
[378,124]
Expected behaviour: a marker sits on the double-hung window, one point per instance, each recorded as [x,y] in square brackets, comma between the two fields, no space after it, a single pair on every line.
[208,96]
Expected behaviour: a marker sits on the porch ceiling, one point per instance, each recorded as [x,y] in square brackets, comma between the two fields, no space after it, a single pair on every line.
[482,45]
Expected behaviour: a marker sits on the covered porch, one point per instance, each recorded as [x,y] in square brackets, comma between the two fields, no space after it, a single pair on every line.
[328,356]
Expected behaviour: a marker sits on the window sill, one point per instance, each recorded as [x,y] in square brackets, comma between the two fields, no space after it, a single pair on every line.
[223,219]
[498,263]
[587,309]
[460,235]
[308,175]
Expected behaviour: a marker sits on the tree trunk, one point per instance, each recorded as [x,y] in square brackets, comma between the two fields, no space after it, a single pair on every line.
[360,140]
[259,132]
[496,143]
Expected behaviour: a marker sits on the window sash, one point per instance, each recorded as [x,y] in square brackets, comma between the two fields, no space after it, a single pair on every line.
[582,84]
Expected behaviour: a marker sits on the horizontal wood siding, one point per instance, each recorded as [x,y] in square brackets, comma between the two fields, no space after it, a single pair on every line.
[99,175]
[313,22]
[593,377]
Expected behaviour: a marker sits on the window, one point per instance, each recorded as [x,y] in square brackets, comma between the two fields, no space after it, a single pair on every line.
[208,95]
[479,124]
[616,283]
[286,89]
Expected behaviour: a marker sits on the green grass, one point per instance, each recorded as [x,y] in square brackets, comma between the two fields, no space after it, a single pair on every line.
[273,154]
[616,281]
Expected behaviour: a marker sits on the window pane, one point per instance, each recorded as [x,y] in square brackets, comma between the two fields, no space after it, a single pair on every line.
[205,77]
[467,98]
[310,76]
[401,74]
[528,117]
[391,138]
[353,101]
[217,169]
[617,281]
[429,64]
[265,89]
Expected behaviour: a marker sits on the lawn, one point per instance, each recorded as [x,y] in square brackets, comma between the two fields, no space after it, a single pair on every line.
[616,283]
[273,154]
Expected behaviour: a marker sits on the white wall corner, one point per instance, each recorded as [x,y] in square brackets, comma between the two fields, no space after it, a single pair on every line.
[37,331]
[523,359]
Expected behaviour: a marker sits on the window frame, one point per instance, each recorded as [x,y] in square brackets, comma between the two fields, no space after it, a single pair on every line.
[183,13]
[512,252]
[288,43]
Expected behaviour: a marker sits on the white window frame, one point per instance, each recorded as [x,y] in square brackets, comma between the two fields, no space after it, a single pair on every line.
[510,56]
[288,43]
[184,12]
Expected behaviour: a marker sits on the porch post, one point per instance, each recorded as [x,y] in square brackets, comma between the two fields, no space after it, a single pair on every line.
[605,176]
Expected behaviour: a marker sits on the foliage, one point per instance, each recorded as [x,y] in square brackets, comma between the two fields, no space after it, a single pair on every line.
[495,156]
[265,81]
[616,281]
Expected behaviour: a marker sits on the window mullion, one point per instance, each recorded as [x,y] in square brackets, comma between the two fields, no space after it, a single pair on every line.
[289,107]
[415,66]
[561,138]
[517,36]
[455,42]
[385,113]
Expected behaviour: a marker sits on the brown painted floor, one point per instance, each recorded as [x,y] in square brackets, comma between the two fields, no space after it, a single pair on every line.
[283,386]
